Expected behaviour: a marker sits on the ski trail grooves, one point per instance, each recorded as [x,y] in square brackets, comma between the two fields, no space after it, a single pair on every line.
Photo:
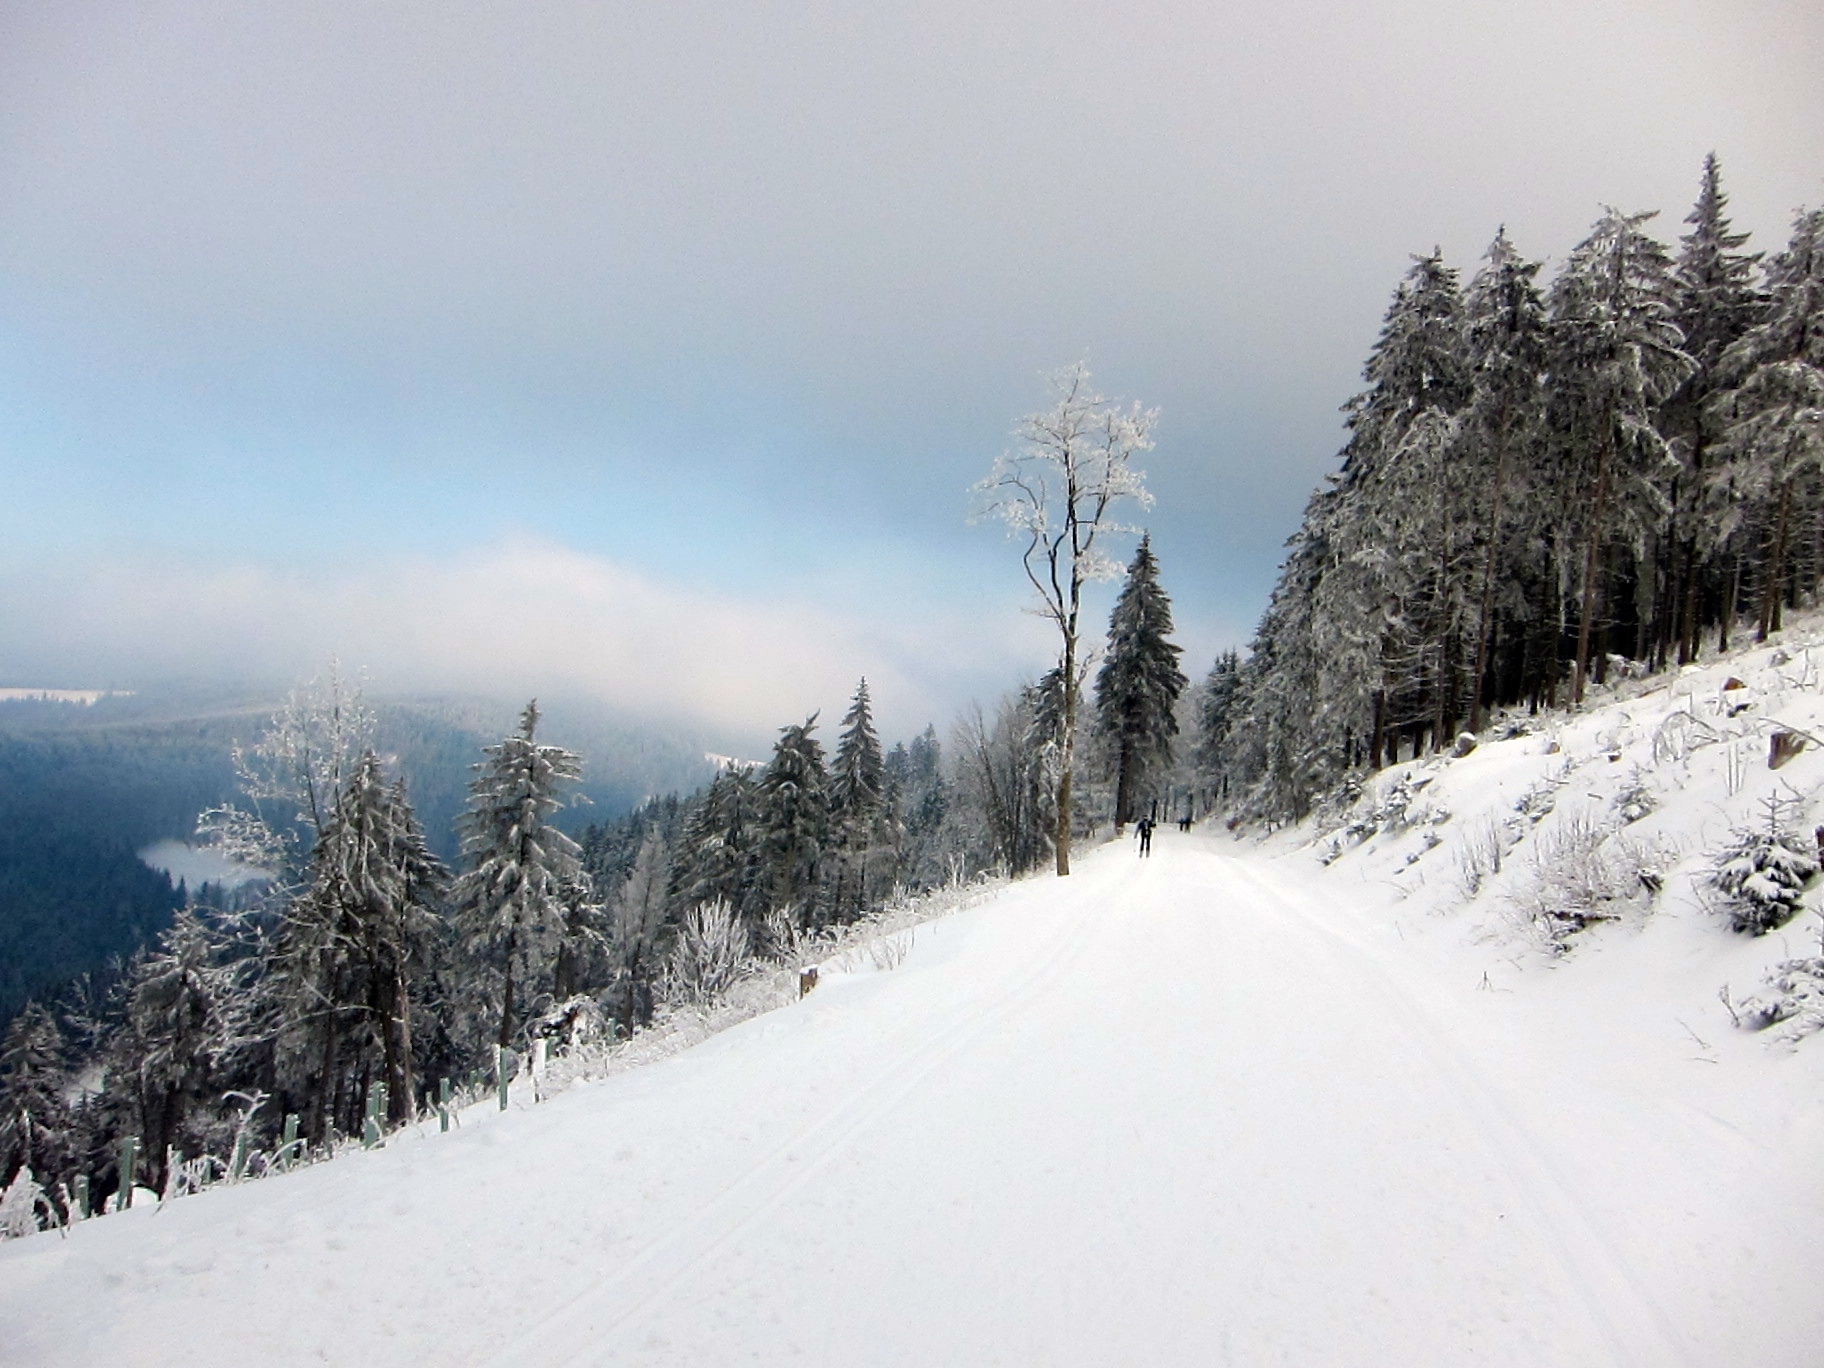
[577,1330]
[1135,1156]
[1181,1111]
[1602,1277]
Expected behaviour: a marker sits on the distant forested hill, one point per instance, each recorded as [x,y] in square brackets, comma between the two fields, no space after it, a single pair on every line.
[84,789]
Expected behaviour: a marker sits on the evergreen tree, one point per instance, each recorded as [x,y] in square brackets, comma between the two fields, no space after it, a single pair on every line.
[1715,302]
[921,793]
[861,819]
[1773,416]
[350,948]
[511,902]
[1387,600]
[794,819]
[1138,685]
[719,846]
[1216,709]
[36,1124]
[1617,356]
[183,1020]
[858,769]
[1505,330]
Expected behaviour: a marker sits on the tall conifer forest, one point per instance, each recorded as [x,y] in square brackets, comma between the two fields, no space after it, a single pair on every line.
[1543,484]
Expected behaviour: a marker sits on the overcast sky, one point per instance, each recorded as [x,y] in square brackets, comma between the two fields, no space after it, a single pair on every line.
[649,350]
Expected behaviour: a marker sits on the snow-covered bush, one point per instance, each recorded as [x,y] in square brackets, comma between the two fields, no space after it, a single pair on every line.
[780,937]
[1635,799]
[1763,871]
[1794,996]
[1480,849]
[711,948]
[882,952]
[1538,801]
[764,986]
[25,1208]
[1388,808]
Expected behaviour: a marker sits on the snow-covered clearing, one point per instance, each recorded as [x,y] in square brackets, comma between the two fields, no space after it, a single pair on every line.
[1225,1106]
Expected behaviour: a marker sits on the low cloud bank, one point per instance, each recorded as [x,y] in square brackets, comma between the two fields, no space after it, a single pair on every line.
[524,616]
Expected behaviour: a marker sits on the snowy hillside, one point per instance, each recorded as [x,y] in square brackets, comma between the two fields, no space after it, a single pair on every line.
[1298,1102]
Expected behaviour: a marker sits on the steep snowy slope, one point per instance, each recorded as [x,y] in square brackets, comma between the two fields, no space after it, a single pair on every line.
[1226,1106]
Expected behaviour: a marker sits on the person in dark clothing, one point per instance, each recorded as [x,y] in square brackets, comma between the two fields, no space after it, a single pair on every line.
[1145,829]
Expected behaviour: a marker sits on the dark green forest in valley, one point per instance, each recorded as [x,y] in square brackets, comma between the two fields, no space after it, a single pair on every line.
[84,789]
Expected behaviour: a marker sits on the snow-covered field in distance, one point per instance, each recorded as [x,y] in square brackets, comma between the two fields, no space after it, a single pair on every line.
[1304,1101]
[198,865]
[82,697]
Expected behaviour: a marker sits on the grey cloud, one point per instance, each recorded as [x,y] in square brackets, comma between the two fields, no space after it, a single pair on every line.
[806,260]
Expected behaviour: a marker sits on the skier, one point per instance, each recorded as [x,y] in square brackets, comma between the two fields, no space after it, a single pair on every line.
[1144,828]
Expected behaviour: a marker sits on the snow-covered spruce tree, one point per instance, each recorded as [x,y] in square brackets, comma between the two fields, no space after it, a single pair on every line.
[637,916]
[349,950]
[794,821]
[719,848]
[1772,418]
[1715,302]
[510,903]
[921,792]
[186,1017]
[1138,685]
[1763,871]
[1616,356]
[1057,491]
[863,824]
[37,1129]
[1216,707]
[1279,766]
[1504,333]
[26,1207]
[1389,603]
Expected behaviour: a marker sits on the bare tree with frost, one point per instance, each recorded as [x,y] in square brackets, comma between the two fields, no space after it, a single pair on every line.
[292,777]
[1057,490]
[636,921]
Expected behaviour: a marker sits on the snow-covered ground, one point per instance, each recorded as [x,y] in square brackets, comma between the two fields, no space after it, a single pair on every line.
[1229,1105]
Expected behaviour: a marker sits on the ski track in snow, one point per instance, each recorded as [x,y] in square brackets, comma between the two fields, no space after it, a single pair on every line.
[661,1267]
[1196,1109]
[1602,1277]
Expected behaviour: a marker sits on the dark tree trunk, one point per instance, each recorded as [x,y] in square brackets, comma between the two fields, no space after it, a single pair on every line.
[1591,559]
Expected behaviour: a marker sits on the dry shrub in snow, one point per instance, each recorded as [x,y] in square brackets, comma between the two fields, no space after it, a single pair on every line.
[1480,850]
[711,948]
[1581,874]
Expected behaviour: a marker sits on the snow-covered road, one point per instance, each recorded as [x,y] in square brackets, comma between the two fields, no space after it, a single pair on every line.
[1175,1111]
